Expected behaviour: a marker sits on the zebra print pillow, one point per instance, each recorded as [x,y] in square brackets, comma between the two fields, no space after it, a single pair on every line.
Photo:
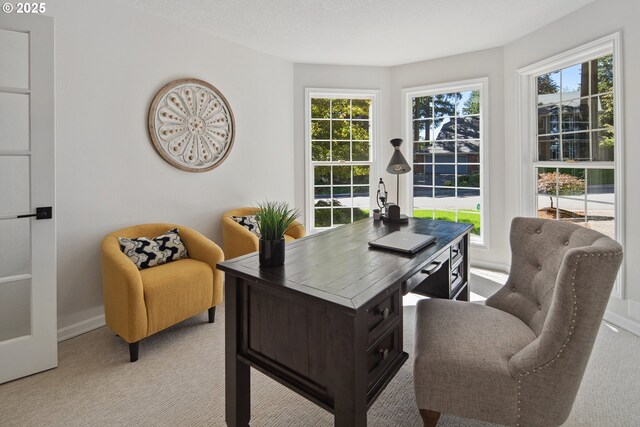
[249,222]
[145,252]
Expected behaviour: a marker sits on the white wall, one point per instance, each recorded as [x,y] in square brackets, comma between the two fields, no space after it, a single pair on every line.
[111,59]
[591,22]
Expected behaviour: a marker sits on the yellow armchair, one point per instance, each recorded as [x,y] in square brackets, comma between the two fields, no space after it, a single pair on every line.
[237,240]
[139,303]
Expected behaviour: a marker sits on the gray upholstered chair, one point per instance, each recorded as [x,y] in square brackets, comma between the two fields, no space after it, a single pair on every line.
[519,359]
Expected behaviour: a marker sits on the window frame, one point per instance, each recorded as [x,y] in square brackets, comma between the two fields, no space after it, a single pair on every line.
[482,85]
[310,93]
[527,125]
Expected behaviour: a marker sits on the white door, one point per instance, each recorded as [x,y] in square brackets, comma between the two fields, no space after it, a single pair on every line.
[28,332]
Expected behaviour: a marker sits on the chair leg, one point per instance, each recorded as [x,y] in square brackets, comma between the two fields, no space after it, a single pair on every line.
[133,350]
[212,314]
[430,418]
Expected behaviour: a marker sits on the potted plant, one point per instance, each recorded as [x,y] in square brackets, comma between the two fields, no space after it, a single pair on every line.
[273,218]
[376,214]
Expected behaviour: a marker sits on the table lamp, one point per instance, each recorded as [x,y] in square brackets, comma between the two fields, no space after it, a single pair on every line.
[397,166]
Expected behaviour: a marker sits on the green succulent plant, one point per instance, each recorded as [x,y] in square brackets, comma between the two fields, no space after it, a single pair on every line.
[274,218]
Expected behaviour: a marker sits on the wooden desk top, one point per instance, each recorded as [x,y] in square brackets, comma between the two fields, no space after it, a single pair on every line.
[339,267]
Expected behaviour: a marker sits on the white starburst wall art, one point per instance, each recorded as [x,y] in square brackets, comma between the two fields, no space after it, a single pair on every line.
[191,125]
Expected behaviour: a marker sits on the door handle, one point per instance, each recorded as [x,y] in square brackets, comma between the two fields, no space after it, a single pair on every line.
[41,213]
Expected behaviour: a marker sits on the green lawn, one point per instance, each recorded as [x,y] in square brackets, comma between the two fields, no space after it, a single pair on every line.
[470,217]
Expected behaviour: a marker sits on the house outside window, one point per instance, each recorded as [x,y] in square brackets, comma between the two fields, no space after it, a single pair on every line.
[340,155]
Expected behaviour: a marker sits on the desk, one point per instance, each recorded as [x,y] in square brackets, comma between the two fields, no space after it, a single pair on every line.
[328,324]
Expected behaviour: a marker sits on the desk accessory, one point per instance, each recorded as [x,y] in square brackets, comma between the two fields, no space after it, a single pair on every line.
[397,166]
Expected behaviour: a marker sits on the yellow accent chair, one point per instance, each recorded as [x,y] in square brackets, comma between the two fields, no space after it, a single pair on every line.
[139,303]
[237,240]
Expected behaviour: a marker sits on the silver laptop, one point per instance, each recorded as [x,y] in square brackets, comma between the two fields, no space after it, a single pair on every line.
[403,241]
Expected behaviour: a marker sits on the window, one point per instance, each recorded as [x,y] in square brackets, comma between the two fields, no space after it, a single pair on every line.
[340,156]
[575,109]
[570,112]
[446,126]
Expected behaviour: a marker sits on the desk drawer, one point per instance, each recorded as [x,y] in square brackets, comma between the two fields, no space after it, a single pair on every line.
[457,251]
[382,354]
[382,313]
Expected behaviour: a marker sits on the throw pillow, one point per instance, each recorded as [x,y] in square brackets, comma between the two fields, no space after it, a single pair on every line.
[249,222]
[145,252]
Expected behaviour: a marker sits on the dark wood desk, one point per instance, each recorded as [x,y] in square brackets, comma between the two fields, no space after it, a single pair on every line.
[328,324]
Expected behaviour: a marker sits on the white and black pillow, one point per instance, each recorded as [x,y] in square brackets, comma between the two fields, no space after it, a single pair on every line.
[249,222]
[145,252]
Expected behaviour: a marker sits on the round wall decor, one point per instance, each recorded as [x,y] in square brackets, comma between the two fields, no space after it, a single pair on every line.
[191,125]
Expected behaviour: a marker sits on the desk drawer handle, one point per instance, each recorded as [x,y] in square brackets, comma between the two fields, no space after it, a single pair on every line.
[384,353]
[455,252]
[432,268]
[384,313]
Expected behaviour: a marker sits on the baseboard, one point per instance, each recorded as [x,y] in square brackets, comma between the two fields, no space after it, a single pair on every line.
[625,323]
[498,266]
[81,328]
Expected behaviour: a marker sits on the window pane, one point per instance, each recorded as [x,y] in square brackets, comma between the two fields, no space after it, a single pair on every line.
[322,196]
[360,130]
[320,108]
[361,196]
[422,107]
[360,151]
[601,217]
[361,108]
[420,130]
[548,84]
[322,218]
[469,151]
[547,192]
[603,144]
[342,196]
[444,105]
[444,129]
[341,215]
[468,176]
[602,111]
[575,115]
[423,175]
[469,103]
[469,200]
[549,147]
[548,119]
[361,175]
[468,127]
[445,175]
[444,152]
[340,150]
[359,214]
[341,109]
[341,175]
[320,129]
[341,129]
[322,175]
[575,81]
[575,146]
[602,75]
[320,151]
[601,201]
[445,199]
[420,157]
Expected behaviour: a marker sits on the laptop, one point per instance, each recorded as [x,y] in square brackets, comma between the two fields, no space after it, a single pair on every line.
[403,241]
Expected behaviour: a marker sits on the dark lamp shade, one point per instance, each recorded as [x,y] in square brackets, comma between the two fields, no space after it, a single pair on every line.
[398,164]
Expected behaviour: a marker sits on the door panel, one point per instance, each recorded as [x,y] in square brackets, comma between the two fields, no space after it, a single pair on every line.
[28,327]
[15,309]
[14,121]
[15,247]
[15,178]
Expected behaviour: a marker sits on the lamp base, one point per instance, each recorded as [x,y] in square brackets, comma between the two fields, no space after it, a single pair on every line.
[403,219]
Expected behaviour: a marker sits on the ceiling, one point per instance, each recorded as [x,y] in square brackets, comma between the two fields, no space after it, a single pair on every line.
[364,32]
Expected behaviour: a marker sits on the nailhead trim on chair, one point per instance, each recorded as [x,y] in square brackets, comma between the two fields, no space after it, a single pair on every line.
[566,341]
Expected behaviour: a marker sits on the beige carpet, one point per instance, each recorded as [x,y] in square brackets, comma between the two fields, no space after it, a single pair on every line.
[179,381]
